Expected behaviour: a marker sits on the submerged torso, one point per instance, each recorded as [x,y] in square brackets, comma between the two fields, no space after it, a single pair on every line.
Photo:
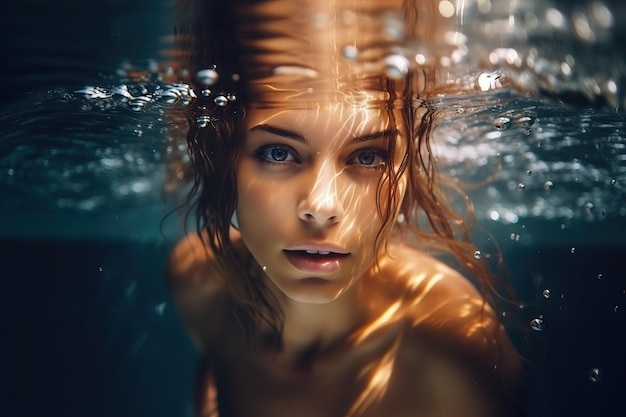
[386,375]
[427,352]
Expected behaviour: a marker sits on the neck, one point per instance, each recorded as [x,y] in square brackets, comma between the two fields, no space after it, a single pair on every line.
[311,327]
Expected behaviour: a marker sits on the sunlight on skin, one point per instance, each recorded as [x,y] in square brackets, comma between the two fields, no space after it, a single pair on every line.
[378,381]
[388,316]
[321,180]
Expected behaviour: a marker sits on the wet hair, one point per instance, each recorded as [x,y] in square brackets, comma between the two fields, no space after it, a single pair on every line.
[215,137]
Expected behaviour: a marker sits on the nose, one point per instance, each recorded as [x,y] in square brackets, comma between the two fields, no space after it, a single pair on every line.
[320,205]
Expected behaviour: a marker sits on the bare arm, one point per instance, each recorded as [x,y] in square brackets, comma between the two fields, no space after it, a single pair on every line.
[196,282]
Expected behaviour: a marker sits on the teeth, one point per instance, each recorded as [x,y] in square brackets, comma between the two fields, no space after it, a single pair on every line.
[317,252]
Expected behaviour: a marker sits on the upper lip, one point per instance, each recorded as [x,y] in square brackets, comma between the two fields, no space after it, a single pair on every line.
[321,248]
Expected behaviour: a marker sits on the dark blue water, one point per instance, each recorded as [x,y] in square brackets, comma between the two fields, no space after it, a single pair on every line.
[88,328]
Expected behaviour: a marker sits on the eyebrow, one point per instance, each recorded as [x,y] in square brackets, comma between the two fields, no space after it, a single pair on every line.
[274,130]
[278,131]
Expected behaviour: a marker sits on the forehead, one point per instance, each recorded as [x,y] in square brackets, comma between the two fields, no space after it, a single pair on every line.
[350,120]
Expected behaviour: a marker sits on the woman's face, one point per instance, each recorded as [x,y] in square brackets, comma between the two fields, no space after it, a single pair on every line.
[307,185]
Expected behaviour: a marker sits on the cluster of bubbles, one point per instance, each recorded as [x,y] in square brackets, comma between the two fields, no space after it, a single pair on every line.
[533,158]
[136,96]
[548,51]
[536,46]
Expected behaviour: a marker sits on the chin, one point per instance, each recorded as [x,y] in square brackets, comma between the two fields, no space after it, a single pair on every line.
[314,291]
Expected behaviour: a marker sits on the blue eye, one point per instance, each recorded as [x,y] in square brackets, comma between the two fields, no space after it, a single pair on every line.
[369,158]
[275,154]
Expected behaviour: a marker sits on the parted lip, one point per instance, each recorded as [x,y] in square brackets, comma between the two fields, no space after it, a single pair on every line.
[318,247]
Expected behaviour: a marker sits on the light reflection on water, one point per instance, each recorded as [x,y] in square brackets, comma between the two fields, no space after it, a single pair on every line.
[104,141]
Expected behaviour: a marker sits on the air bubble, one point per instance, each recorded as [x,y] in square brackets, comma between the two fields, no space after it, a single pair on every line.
[205,92]
[170,96]
[396,66]
[502,123]
[525,121]
[594,375]
[537,324]
[546,293]
[572,250]
[207,76]
[393,27]
[122,90]
[159,309]
[477,254]
[521,186]
[548,185]
[350,52]
[138,104]
[489,81]
[204,121]
[231,97]
[220,101]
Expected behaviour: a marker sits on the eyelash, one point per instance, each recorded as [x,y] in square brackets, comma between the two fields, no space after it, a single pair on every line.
[263,154]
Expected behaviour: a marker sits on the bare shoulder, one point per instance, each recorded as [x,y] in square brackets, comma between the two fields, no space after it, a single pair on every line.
[447,312]
[195,279]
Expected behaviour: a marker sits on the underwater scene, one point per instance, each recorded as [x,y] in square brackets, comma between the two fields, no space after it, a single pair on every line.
[532,127]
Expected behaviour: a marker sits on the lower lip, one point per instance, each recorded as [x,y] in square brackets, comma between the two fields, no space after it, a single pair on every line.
[314,264]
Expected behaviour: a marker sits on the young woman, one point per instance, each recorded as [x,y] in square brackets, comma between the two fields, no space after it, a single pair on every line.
[308,288]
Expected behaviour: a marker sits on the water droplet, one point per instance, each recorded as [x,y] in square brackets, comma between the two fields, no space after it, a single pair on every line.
[594,375]
[264,268]
[205,92]
[502,123]
[547,185]
[221,101]
[546,293]
[477,254]
[537,324]
[396,66]
[521,186]
[231,97]
[529,172]
[207,76]
[613,181]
